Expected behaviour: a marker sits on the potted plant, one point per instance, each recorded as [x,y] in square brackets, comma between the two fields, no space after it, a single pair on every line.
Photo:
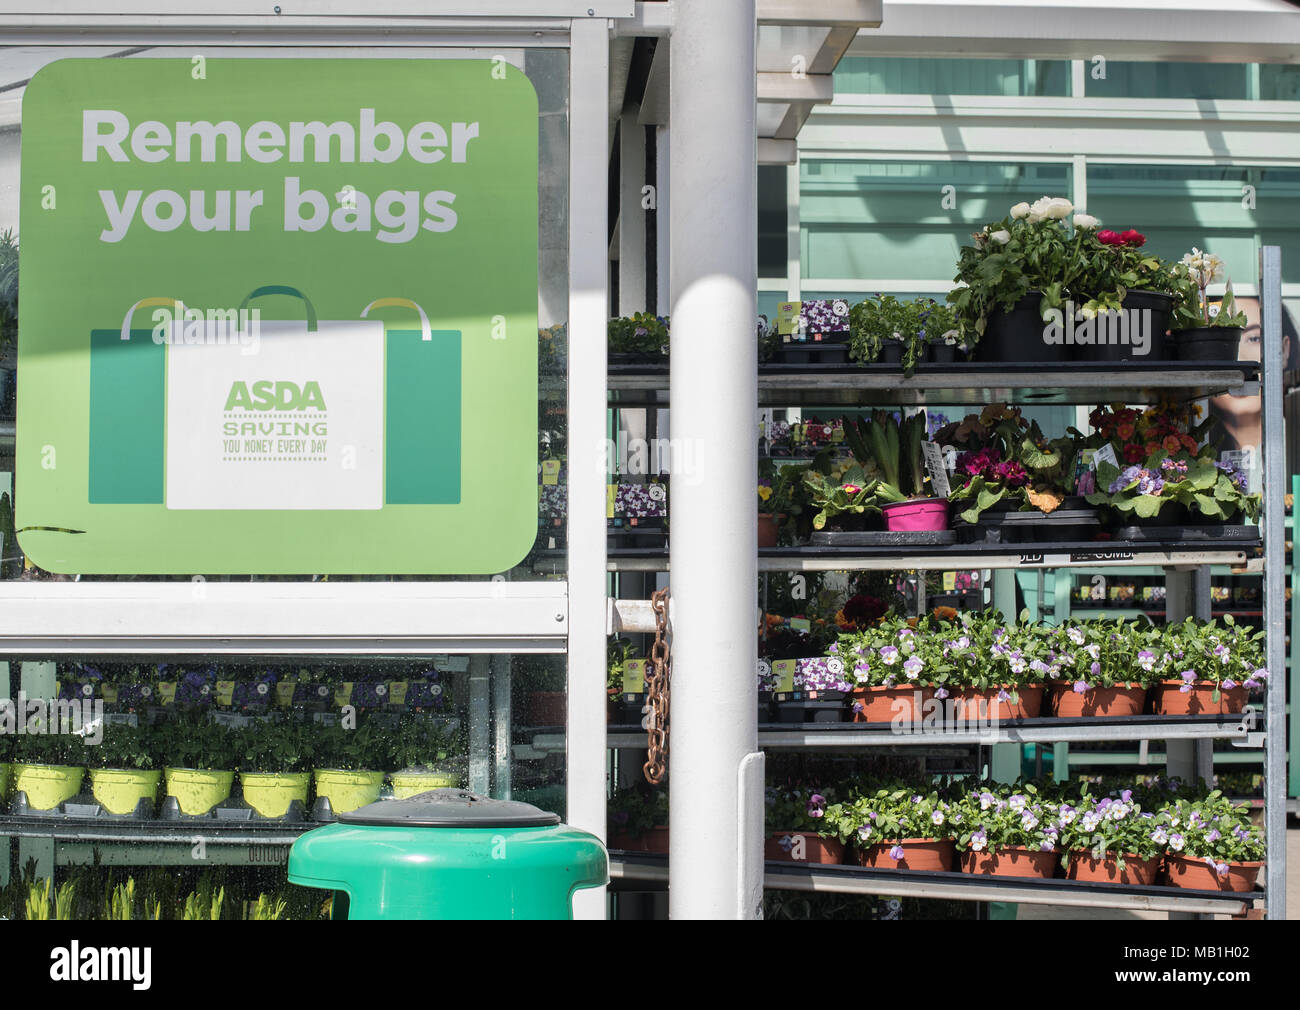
[425,756]
[1111,840]
[1206,668]
[996,670]
[1023,274]
[274,758]
[48,766]
[903,332]
[200,763]
[1212,845]
[844,497]
[349,767]
[818,691]
[1006,831]
[1175,489]
[889,669]
[124,773]
[896,449]
[1095,670]
[1202,331]
[624,683]
[638,339]
[898,827]
[1012,482]
[796,820]
[638,819]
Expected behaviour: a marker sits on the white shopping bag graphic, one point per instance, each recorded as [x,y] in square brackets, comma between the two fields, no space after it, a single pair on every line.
[294,420]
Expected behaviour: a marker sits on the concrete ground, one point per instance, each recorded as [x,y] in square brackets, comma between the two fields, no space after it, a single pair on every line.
[1032,912]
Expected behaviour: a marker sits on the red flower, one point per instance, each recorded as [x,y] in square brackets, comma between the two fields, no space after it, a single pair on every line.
[1133,453]
[1108,237]
[1133,237]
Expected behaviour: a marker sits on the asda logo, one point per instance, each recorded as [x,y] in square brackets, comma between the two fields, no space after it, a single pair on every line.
[268,394]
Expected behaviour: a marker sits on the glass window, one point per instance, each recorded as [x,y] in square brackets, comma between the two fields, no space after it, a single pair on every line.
[893,220]
[771,220]
[1168,80]
[871,75]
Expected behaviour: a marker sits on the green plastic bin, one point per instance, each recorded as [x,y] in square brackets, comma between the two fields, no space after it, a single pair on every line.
[449,854]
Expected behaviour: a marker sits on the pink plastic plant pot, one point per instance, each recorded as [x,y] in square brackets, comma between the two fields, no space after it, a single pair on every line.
[921,515]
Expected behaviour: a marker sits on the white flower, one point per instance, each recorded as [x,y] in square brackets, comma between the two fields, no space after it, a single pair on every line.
[937,817]
[1001,236]
[1020,211]
[1087,312]
[1051,208]
[1085,221]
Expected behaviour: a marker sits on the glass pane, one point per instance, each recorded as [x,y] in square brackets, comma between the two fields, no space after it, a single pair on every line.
[208,769]
[771,220]
[892,220]
[547,70]
[1168,80]
[870,75]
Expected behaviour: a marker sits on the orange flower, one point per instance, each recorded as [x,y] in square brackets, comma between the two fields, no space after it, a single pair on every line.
[911,622]
[1125,430]
[946,613]
[1171,443]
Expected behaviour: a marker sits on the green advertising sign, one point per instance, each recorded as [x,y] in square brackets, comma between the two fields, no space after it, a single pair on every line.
[278,316]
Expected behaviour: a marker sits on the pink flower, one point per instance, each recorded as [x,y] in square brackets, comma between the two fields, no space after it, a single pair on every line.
[1108,237]
[1133,238]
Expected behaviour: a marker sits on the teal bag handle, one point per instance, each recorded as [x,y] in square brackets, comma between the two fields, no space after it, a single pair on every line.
[284,289]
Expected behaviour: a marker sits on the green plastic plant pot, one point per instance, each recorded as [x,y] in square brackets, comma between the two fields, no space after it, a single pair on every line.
[47,786]
[449,854]
[197,792]
[347,790]
[120,790]
[271,793]
[408,784]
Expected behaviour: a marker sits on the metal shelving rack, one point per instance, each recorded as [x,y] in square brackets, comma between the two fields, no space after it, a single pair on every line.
[1186,566]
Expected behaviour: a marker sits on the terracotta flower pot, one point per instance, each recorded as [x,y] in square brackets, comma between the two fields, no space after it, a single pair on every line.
[655,840]
[1083,866]
[803,847]
[885,704]
[1009,861]
[769,529]
[918,854]
[1185,871]
[1168,698]
[979,703]
[1122,699]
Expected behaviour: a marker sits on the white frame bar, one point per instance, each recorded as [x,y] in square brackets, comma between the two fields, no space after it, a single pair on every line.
[587,404]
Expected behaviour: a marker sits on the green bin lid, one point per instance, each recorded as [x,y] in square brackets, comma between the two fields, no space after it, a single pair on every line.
[451,808]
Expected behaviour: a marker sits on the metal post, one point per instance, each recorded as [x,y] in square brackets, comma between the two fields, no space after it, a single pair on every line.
[1270,288]
[501,723]
[480,725]
[1187,594]
[717,771]
[588,312]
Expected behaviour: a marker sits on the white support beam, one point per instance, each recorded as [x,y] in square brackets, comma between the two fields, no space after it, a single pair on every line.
[773,151]
[786,87]
[588,312]
[1209,31]
[715,763]
[631,215]
[864,13]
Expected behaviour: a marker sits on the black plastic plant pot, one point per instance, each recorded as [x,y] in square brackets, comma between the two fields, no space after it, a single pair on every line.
[637,358]
[941,354]
[891,352]
[1118,340]
[1019,335]
[1171,513]
[812,354]
[826,706]
[1207,343]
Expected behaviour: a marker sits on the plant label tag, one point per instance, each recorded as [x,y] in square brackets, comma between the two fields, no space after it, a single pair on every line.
[109,694]
[1106,454]
[950,458]
[225,692]
[343,693]
[550,472]
[611,494]
[932,453]
[949,582]
[232,720]
[783,671]
[787,317]
[397,692]
[284,692]
[634,673]
[167,691]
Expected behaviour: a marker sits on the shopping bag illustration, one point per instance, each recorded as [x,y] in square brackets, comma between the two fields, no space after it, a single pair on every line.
[286,415]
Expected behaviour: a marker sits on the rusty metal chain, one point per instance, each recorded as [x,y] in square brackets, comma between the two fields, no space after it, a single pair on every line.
[656,721]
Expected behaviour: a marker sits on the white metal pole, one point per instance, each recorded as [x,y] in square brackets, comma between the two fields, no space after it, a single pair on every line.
[716,789]
[588,310]
[1275,781]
